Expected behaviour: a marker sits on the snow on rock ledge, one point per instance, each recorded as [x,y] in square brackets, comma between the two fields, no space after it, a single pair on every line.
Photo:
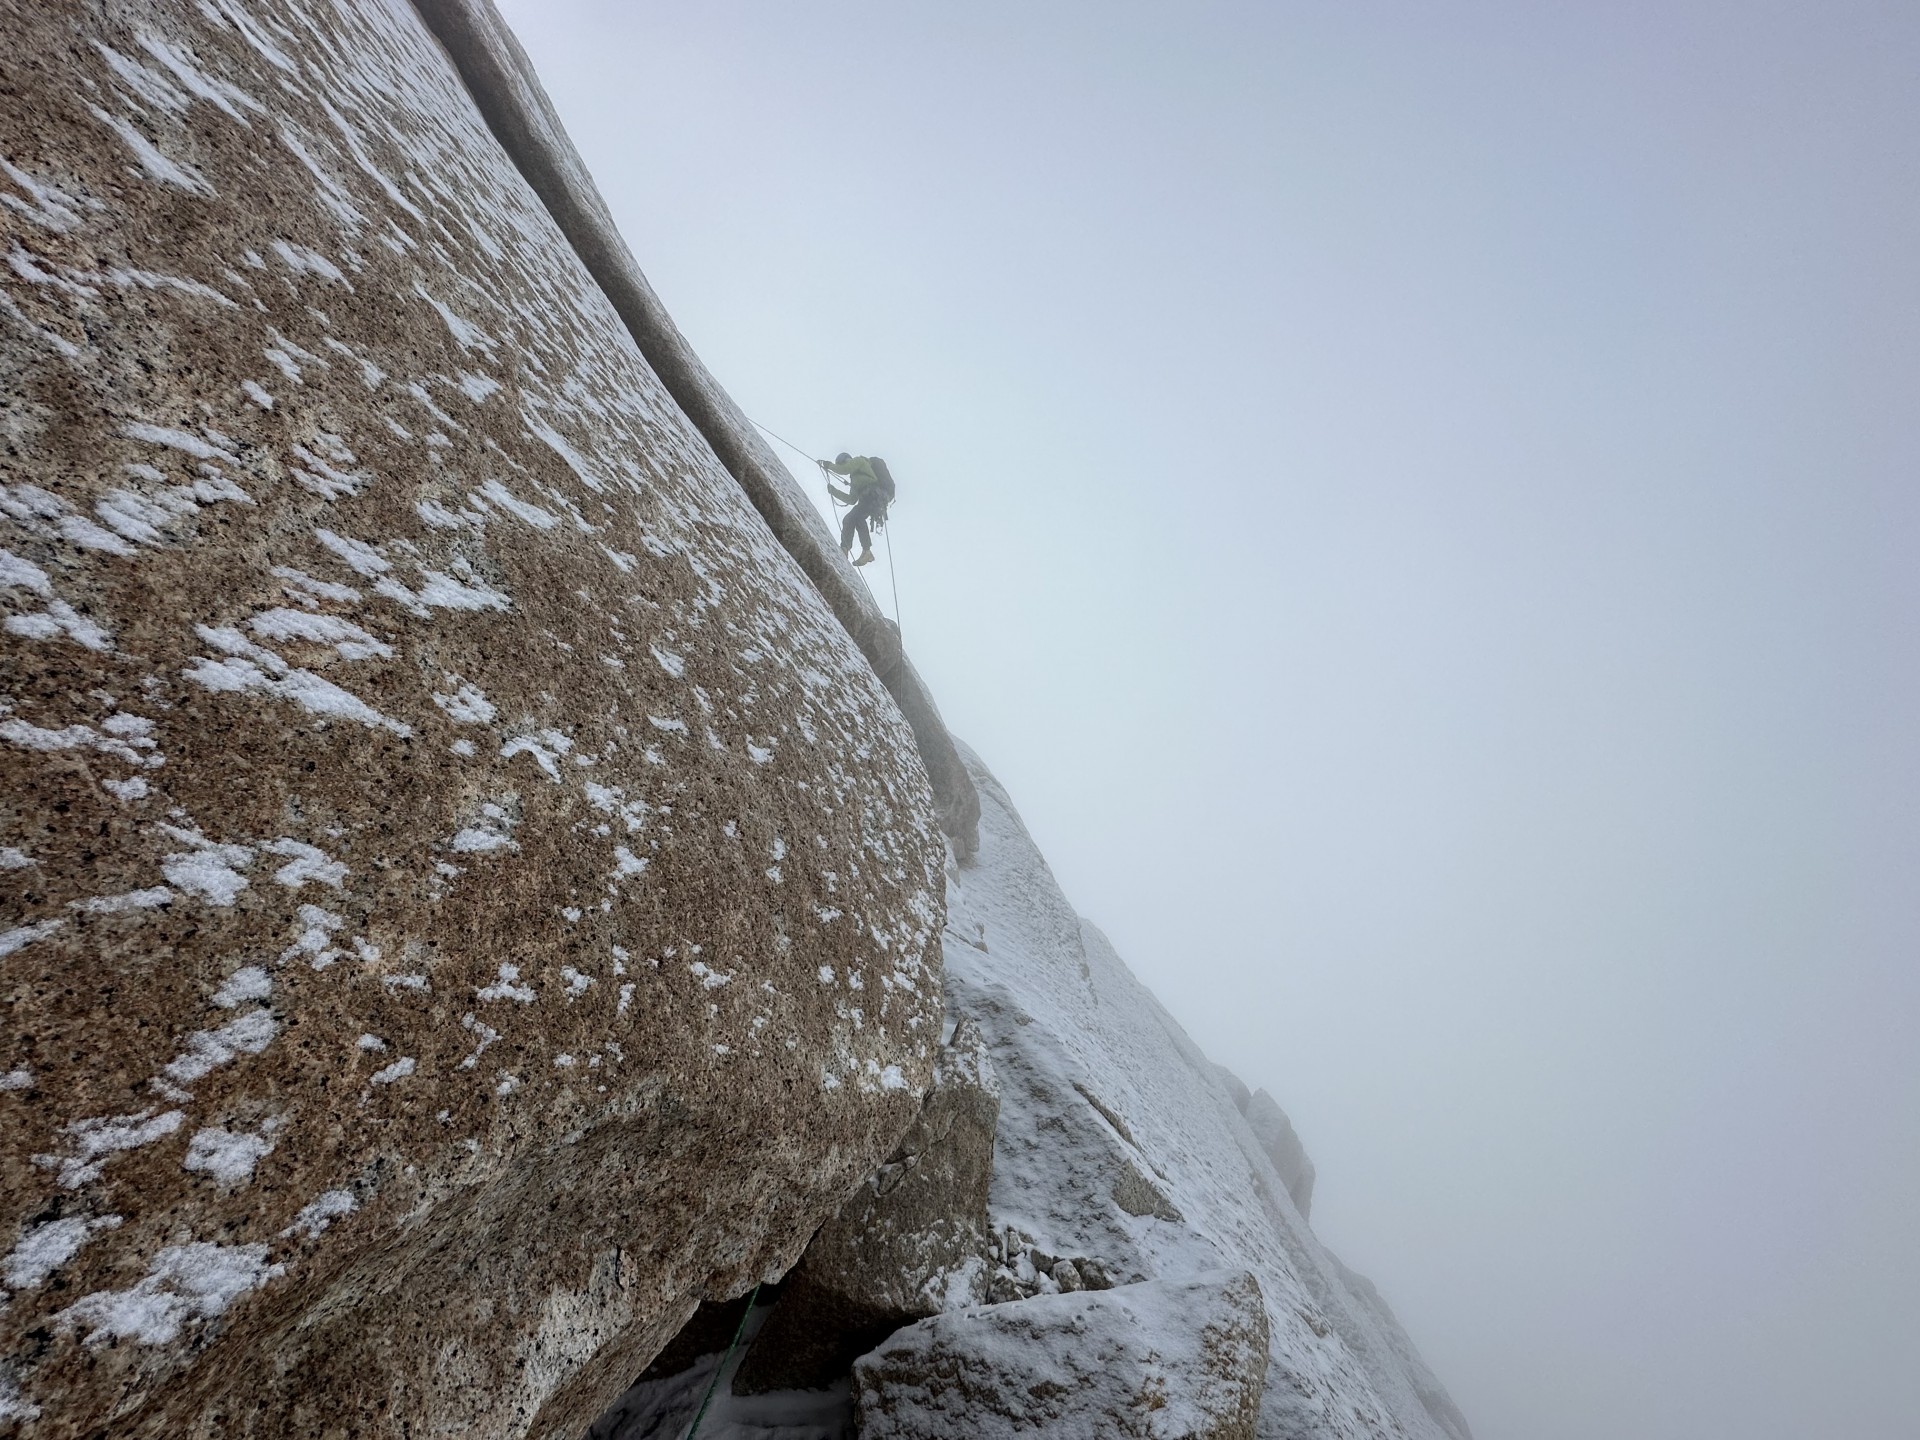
[468,899]
[1161,1360]
[1122,1150]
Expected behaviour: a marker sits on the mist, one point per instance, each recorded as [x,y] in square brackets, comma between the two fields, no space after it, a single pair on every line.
[1418,504]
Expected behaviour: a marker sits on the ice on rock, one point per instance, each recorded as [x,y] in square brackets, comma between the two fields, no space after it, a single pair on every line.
[44,1248]
[228,1157]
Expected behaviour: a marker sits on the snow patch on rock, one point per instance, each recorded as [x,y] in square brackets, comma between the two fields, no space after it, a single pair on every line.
[197,1281]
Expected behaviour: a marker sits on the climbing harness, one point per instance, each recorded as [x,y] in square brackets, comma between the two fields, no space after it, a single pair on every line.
[732,1345]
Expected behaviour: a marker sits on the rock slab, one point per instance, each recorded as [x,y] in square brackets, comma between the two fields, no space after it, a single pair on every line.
[1160,1360]
[467,897]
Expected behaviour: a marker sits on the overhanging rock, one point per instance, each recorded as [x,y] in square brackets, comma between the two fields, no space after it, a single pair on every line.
[910,1243]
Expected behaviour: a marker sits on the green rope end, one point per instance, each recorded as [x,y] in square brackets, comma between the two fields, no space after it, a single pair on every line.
[714,1383]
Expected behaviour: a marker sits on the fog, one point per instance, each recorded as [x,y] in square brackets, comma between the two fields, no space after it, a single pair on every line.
[1420,504]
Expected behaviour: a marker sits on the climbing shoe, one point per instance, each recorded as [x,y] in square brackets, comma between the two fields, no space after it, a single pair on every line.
[866,558]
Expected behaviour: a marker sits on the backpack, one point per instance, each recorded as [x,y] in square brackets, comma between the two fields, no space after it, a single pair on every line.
[884,476]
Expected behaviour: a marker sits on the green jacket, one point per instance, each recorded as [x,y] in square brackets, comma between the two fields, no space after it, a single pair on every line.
[860,479]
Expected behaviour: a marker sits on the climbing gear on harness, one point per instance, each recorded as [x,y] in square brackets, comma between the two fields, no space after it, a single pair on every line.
[884,476]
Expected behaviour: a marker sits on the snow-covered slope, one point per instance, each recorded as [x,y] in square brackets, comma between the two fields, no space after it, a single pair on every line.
[1120,1143]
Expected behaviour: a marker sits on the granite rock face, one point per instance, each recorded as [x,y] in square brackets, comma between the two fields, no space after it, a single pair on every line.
[909,1244]
[468,899]
[1165,1359]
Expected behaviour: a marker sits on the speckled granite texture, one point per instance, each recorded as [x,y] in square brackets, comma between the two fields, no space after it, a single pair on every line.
[466,898]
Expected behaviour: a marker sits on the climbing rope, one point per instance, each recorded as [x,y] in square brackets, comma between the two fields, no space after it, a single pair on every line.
[806,457]
[887,532]
[786,442]
[738,1331]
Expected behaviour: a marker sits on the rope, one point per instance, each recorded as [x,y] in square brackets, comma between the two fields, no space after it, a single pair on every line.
[894,578]
[804,456]
[788,443]
[738,1331]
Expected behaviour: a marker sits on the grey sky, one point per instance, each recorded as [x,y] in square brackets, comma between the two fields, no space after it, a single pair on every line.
[1419,503]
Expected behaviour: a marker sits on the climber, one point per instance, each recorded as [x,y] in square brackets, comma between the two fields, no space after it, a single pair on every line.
[869,491]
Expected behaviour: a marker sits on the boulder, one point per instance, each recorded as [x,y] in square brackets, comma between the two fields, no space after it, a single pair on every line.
[469,899]
[1167,1359]
[1274,1131]
[910,1243]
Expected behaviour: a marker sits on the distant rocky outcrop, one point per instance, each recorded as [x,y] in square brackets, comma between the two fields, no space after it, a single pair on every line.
[1274,1131]
[1124,1150]
[468,897]
[1236,1087]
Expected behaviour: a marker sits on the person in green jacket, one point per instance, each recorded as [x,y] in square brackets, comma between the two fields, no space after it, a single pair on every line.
[869,489]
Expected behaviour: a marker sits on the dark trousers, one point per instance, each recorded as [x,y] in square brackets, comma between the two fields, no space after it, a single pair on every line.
[868,507]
